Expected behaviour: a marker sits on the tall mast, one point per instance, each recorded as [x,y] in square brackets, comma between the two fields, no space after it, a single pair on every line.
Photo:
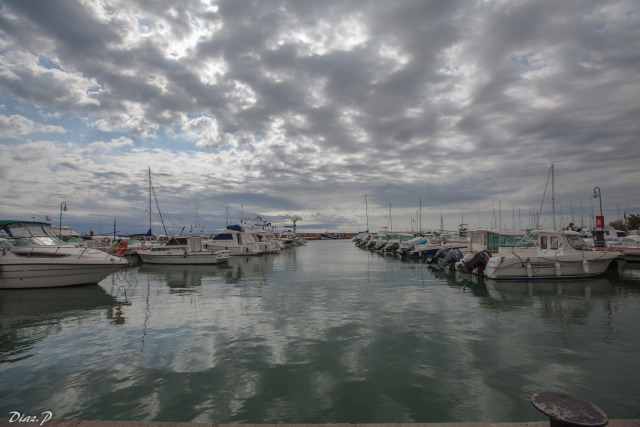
[150,200]
[366,211]
[542,201]
[420,221]
[553,198]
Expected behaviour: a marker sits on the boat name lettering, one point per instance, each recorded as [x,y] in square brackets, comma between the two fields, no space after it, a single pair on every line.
[542,264]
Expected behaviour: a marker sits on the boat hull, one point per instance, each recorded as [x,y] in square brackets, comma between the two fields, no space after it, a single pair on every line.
[513,268]
[45,275]
[244,250]
[180,257]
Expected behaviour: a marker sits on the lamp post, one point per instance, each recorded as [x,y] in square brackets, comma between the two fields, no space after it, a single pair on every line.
[63,204]
[598,195]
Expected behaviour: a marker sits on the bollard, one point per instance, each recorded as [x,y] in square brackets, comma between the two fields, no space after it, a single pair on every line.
[567,410]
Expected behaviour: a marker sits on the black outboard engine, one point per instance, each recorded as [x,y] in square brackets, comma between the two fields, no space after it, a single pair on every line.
[392,247]
[453,256]
[380,245]
[439,255]
[478,261]
[406,251]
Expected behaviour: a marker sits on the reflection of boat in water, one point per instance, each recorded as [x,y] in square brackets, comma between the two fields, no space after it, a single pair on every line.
[561,301]
[247,267]
[513,290]
[34,315]
[184,276]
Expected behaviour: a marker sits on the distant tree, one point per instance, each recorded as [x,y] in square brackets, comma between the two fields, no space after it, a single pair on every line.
[618,225]
[633,223]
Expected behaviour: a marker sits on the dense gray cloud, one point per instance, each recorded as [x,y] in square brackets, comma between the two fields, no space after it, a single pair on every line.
[272,107]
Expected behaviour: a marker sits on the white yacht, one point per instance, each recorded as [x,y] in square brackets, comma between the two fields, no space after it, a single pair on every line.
[236,241]
[183,250]
[32,256]
[549,254]
[271,242]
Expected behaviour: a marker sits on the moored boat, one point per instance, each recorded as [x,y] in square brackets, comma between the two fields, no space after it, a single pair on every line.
[33,256]
[183,250]
[238,242]
[550,254]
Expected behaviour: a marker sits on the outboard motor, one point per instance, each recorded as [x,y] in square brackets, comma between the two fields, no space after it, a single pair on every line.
[475,261]
[381,245]
[453,256]
[406,251]
[439,255]
[392,247]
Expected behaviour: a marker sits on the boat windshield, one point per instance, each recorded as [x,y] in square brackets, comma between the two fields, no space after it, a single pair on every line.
[32,234]
[495,241]
[576,242]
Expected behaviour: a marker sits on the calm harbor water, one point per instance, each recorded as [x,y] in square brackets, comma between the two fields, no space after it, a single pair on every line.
[321,333]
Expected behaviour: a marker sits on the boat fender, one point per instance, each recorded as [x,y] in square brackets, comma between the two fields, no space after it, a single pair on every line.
[585,266]
[122,248]
[529,270]
[558,269]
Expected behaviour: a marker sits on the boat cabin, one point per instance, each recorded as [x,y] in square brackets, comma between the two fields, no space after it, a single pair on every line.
[496,241]
[553,241]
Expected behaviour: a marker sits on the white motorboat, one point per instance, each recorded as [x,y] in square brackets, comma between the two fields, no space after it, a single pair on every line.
[267,240]
[183,250]
[473,256]
[237,242]
[33,257]
[550,254]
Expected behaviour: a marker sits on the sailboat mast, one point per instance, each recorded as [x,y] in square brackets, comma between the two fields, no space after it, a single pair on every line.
[553,198]
[150,200]
[420,221]
[366,211]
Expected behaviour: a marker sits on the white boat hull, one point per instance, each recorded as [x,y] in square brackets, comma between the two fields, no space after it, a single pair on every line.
[182,257]
[513,268]
[235,250]
[17,272]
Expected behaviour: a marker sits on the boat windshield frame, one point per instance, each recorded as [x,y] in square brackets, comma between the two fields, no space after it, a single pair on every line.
[577,242]
[31,234]
[496,240]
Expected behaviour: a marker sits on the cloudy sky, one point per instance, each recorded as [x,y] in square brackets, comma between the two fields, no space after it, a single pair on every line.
[296,107]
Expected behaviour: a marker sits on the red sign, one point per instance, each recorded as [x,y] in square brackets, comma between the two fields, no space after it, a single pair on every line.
[599,221]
